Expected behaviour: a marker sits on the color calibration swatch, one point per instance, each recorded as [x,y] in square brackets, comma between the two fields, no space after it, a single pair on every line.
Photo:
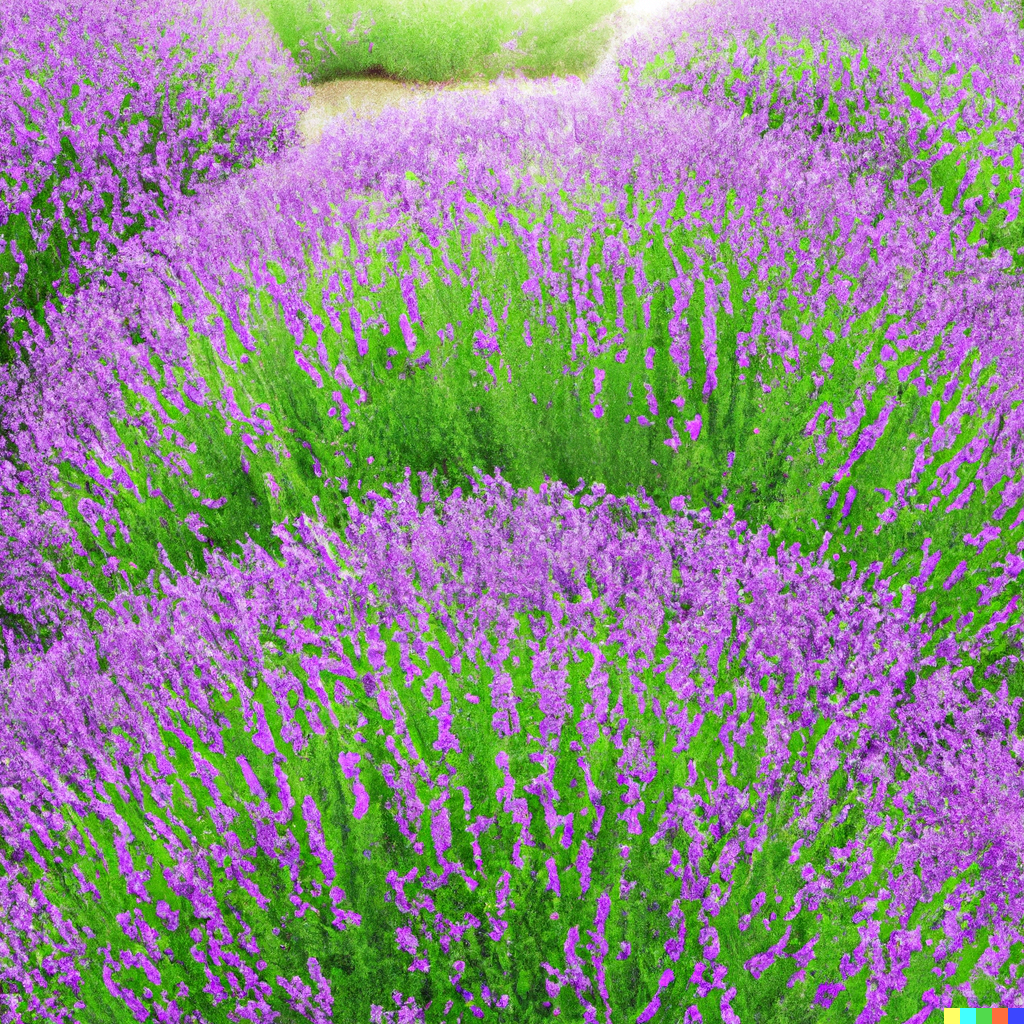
[998,1015]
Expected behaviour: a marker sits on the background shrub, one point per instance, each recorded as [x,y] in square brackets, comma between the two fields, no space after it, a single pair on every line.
[422,41]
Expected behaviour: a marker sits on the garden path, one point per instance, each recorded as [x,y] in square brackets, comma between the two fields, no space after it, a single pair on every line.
[365,97]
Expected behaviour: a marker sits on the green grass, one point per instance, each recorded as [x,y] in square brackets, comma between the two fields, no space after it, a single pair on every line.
[427,41]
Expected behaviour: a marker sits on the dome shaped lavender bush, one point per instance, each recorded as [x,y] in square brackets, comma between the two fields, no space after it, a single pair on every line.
[523,745]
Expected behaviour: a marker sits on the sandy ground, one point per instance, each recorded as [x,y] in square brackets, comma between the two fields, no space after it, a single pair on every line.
[364,97]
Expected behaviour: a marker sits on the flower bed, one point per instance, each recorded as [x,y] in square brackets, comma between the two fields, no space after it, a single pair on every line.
[663,434]
[119,112]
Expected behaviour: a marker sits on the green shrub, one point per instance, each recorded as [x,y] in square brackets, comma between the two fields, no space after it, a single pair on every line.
[423,41]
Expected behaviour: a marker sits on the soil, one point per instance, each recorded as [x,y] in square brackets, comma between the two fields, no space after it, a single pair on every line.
[366,97]
[362,97]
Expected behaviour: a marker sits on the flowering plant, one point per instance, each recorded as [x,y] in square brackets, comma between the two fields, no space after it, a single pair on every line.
[717,667]
[119,111]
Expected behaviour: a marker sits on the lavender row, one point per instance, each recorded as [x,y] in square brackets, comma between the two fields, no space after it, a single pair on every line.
[663,334]
[925,94]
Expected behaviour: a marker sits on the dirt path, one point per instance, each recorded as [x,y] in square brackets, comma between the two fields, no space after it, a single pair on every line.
[365,97]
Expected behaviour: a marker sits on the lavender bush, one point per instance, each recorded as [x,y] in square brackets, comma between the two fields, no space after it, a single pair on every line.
[753,295]
[725,743]
[926,95]
[581,400]
[115,112]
